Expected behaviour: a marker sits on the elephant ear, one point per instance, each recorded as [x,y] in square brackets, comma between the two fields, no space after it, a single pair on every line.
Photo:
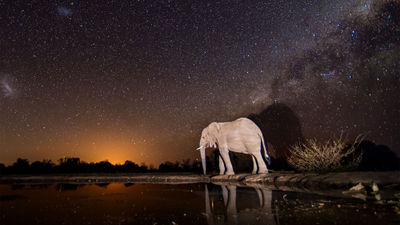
[213,133]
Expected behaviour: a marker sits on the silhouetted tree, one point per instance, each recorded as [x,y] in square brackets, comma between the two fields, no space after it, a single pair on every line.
[75,165]
[196,167]
[186,165]
[2,168]
[151,168]
[45,166]
[377,157]
[143,167]
[21,166]
[69,165]
[167,167]
[104,167]
[130,166]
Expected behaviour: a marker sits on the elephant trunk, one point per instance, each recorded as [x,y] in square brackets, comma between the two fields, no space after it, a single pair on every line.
[203,158]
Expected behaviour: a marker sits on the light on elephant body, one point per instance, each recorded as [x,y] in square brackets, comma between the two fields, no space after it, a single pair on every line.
[241,136]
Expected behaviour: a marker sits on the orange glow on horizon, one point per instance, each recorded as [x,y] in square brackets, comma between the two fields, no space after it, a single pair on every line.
[116,151]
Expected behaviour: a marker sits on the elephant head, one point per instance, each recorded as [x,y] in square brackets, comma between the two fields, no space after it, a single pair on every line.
[209,139]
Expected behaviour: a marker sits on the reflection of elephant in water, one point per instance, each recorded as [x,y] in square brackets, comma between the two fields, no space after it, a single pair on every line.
[242,136]
[261,214]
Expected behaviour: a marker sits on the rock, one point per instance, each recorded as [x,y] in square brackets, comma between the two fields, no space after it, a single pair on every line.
[375,187]
[358,187]
[357,191]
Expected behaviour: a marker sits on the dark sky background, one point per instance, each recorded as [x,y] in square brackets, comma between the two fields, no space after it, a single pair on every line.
[139,80]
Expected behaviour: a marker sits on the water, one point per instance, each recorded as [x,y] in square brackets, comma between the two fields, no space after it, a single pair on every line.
[118,203]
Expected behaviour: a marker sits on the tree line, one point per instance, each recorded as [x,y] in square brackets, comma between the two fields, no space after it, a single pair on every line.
[75,165]
[373,158]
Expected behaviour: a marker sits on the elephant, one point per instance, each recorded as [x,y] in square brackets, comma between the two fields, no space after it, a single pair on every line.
[242,136]
[264,213]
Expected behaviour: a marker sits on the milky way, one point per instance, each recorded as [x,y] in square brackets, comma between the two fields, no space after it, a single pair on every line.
[347,82]
[138,80]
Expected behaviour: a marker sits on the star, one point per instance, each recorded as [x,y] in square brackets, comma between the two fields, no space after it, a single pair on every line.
[117,70]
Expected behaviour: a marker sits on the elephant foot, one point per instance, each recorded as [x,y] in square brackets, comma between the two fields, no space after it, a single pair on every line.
[254,172]
[230,173]
[263,172]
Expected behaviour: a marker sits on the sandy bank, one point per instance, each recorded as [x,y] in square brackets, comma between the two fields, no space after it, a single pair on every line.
[278,179]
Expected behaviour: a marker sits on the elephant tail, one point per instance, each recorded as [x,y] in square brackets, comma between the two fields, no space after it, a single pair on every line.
[265,152]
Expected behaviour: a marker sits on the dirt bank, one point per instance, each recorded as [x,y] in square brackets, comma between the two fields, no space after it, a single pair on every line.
[278,180]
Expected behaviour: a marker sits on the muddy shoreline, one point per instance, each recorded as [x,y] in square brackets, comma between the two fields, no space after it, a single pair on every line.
[341,180]
[329,184]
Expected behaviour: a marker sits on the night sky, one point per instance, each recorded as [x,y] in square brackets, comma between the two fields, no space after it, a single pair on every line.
[139,80]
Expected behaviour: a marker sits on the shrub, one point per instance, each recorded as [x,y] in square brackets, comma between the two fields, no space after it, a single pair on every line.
[324,157]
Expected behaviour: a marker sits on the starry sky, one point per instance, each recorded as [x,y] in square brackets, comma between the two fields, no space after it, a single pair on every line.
[139,80]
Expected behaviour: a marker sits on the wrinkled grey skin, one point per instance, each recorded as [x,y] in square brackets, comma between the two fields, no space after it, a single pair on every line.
[242,136]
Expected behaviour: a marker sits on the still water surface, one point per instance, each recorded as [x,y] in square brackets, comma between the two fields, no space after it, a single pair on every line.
[117,203]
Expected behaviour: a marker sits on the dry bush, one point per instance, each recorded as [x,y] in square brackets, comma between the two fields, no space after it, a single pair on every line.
[324,157]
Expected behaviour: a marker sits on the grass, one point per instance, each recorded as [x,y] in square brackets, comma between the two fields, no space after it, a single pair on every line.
[325,157]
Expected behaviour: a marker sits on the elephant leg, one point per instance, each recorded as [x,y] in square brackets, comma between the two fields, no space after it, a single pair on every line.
[225,194]
[208,205]
[231,209]
[254,165]
[221,165]
[225,156]
[262,168]
[260,196]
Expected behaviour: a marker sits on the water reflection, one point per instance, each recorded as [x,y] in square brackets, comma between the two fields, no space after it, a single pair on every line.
[230,204]
[251,213]
[17,186]
[103,185]
[114,203]
[40,186]
[67,187]
[128,184]
[211,204]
